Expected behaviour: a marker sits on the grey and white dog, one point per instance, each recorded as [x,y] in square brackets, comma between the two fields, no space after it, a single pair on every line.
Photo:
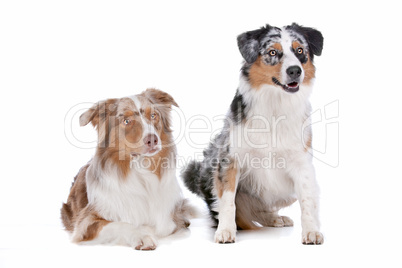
[262,159]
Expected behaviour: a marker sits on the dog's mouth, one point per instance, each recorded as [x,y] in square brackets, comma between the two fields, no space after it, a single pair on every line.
[147,153]
[135,154]
[152,152]
[291,87]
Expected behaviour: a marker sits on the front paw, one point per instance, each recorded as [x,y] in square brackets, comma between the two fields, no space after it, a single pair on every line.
[312,238]
[146,243]
[225,235]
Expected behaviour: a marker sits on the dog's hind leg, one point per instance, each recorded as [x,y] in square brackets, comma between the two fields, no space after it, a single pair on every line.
[251,209]
[247,206]
[272,219]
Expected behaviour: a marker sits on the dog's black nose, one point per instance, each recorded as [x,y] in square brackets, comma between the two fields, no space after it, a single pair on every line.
[294,71]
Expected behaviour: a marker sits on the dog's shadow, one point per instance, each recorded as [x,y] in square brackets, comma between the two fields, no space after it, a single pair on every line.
[202,231]
[265,233]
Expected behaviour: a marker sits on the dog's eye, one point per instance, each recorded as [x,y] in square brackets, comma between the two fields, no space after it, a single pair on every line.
[126,121]
[153,116]
[272,53]
[300,50]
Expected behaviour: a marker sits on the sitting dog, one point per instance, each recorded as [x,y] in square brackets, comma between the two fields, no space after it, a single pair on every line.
[128,193]
[262,159]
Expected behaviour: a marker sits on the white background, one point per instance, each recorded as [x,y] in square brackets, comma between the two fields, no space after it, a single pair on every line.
[55,55]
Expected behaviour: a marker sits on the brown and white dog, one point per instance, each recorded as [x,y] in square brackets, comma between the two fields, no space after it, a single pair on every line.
[128,193]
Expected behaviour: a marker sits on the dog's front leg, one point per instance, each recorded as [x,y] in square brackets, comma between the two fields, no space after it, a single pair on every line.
[307,191]
[225,183]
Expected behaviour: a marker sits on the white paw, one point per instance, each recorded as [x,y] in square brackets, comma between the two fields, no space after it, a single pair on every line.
[225,236]
[287,222]
[146,243]
[312,238]
[279,221]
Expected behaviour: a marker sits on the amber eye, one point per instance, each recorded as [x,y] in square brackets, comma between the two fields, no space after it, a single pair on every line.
[153,116]
[126,121]
[300,50]
[272,53]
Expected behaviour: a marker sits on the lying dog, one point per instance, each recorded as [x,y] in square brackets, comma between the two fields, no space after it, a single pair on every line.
[128,193]
[262,160]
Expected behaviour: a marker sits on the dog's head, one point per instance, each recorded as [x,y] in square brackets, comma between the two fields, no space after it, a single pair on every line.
[131,126]
[280,56]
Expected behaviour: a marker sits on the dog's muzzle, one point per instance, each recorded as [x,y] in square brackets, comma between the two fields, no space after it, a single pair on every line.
[293,73]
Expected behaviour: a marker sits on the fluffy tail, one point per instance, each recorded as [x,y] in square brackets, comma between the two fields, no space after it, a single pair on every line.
[192,178]
[199,180]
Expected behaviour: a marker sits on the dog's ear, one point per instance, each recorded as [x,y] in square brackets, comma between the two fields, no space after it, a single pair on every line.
[249,43]
[313,37]
[159,97]
[99,115]
[162,102]
[98,112]
[88,116]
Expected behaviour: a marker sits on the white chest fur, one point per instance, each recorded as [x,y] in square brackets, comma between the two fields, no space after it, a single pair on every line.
[140,199]
[276,120]
[272,134]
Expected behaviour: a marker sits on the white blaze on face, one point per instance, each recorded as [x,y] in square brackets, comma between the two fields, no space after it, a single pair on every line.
[289,58]
[148,129]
